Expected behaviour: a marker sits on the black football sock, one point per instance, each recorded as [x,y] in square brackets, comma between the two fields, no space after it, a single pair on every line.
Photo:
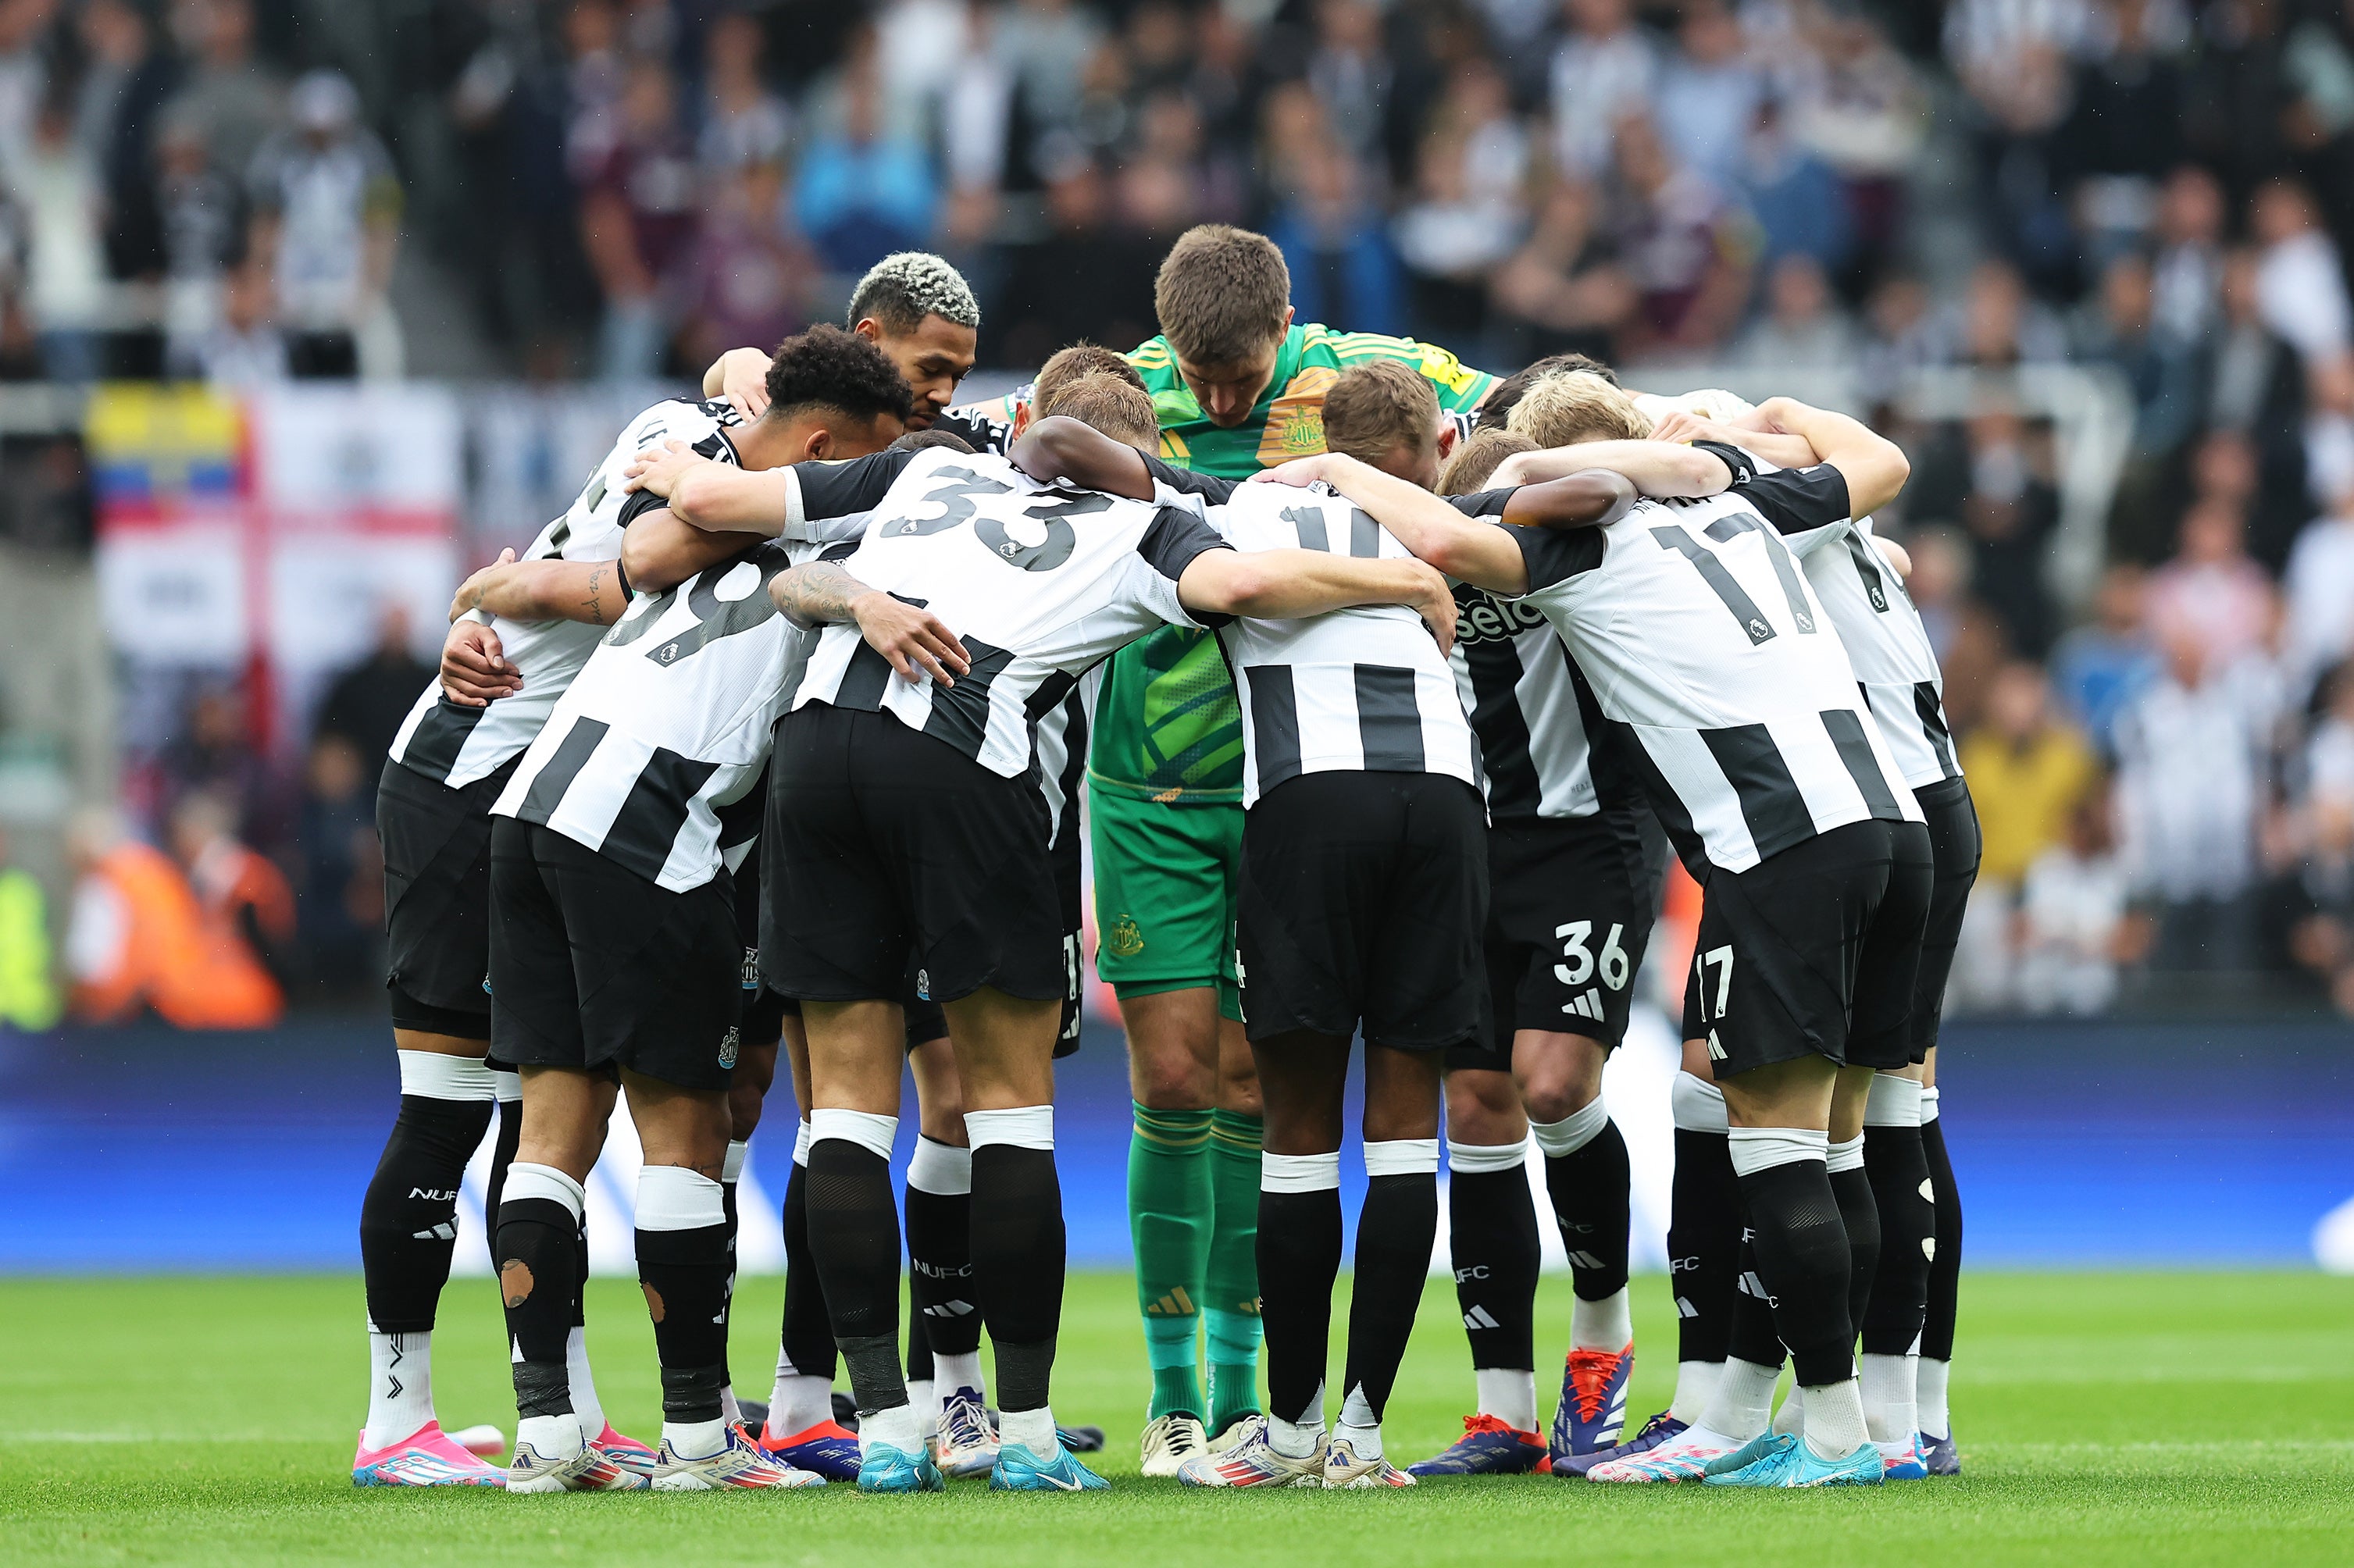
[1397,1229]
[504,1141]
[730,1173]
[854,1233]
[1018,1249]
[1800,1245]
[1703,1241]
[1590,1188]
[1946,1265]
[1492,1239]
[1897,1164]
[1299,1251]
[408,1219]
[1860,1217]
[939,1259]
[537,1247]
[683,1267]
[807,1333]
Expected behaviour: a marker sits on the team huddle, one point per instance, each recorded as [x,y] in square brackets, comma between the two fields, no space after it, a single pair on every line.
[1381,687]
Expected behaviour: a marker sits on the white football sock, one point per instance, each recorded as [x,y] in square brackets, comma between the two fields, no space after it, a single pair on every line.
[1695,1386]
[1604,1325]
[952,1372]
[729,1411]
[1835,1426]
[1744,1401]
[1363,1430]
[924,1399]
[1889,1408]
[585,1408]
[797,1401]
[1296,1439]
[696,1439]
[896,1427]
[1929,1397]
[1792,1417]
[550,1436]
[1032,1429]
[400,1384]
[1510,1396]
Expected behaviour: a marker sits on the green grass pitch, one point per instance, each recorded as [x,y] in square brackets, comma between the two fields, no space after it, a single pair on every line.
[2105,1418]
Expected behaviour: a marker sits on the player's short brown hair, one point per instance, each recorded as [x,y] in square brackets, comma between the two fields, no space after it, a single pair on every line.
[1118,408]
[1080,360]
[1378,407]
[1222,294]
[1577,406]
[1477,460]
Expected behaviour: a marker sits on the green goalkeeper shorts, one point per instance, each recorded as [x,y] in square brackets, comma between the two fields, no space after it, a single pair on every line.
[1165,879]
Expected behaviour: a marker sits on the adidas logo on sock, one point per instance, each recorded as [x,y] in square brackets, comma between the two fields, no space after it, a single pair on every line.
[949,1309]
[1685,1308]
[1584,1260]
[1480,1318]
[446,1231]
[1176,1304]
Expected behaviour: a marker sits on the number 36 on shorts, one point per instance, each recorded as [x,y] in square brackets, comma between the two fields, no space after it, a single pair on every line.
[1581,963]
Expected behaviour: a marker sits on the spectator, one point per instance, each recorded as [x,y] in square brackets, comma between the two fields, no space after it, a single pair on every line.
[2190,778]
[2186,274]
[341,892]
[2323,941]
[243,350]
[1605,70]
[367,702]
[638,222]
[863,192]
[213,750]
[2009,511]
[1683,246]
[2256,391]
[204,235]
[2161,371]
[23,75]
[1996,324]
[751,279]
[2211,596]
[1709,93]
[232,99]
[1082,277]
[326,215]
[2300,280]
[1562,291]
[2075,928]
[2319,590]
[137,942]
[2123,129]
[1166,186]
[29,991]
[2028,771]
[1351,73]
[58,187]
[1803,326]
[241,899]
[117,106]
[1798,200]
[1343,268]
[1856,104]
[1451,241]
[2102,666]
[744,124]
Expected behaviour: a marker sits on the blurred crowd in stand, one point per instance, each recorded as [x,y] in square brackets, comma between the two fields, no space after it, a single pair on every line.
[617,189]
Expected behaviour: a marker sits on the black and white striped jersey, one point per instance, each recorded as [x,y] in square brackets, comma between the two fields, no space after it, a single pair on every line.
[655,755]
[1359,690]
[456,745]
[1039,582]
[1894,661]
[1701,637]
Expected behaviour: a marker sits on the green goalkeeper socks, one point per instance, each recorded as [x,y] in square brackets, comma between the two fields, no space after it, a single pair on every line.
[1168,1210]
[1231,1285]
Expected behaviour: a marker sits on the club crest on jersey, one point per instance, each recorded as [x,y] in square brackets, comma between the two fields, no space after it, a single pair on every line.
[751,976]
[1127,938]
[1758,630]
[923,985]
[730,1045]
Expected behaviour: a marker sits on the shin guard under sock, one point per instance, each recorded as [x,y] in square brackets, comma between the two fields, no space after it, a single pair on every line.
[538,1250]
[806,1337]
[853,1229]
[1019,1247]
[1396,1230]
[1945,1263]
[1703,1241]
[1230,1283]
[1800,1245]
[408,1219]
[1899,1170]
[1860,1217]
[1492,1240]
[1298,1259]
[1172,1211]
[943,1319]
[1591,1187]
[683,1269]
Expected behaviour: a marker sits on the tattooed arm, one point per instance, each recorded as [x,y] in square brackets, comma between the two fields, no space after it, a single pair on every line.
[819,593]
[588,591]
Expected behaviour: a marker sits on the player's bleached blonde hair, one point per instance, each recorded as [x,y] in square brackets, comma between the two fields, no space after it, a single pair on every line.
[904,288]
[1577,406]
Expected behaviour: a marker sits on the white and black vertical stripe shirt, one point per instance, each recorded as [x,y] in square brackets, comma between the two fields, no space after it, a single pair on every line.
[1886,643]
[455,744]
[1701,636]
[654,755]
[1359,690]
[1040,582]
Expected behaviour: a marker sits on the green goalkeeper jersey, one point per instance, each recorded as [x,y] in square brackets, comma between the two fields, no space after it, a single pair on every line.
[1168,725]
